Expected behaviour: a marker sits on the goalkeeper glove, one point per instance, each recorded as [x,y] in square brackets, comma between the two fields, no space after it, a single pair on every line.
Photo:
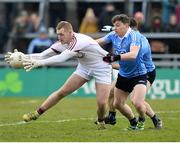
[107,28]
[109,58]
[9,59]
[8,55]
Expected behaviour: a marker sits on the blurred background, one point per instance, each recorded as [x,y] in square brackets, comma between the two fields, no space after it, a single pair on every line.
[29,26]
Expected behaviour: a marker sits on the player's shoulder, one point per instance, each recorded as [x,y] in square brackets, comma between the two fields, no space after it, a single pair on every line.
[80,41]
[134,34]
[110,36]
[57,44]
[83,39]
[58,47]
[112,33]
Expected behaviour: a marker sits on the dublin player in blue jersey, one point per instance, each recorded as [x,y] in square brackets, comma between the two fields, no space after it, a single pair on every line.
[111,118]
[132,74]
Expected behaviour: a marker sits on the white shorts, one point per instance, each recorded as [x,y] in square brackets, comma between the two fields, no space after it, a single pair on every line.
[101,75]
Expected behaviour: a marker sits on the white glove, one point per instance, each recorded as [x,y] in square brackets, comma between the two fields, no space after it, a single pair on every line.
[11,61]
[30,64]
[8,55]
[107,28]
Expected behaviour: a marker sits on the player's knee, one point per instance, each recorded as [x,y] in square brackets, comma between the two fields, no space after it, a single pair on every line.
[117,104]
[138,104]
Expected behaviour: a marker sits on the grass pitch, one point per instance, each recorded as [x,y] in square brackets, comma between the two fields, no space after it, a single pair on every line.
[72,120]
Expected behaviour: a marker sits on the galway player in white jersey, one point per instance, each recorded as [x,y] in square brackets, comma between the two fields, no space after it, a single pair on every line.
[86,49]
[91,65]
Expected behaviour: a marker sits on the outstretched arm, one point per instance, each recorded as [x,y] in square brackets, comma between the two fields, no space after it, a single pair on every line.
[54,49]
[43,55]
[65,55]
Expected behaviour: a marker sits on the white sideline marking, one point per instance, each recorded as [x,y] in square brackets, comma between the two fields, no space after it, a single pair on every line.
[58,121]
[164,112]
[77,119]
[67,120]
[12,124]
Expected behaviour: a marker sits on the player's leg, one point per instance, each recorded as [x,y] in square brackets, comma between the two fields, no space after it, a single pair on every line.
[73,83]
[103,79]
[111,118]
[111,97]
[120,98]
[121,91]
[102,93]
[138,100]
[150,113]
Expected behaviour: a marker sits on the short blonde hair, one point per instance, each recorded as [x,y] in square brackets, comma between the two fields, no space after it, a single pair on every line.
[64,24]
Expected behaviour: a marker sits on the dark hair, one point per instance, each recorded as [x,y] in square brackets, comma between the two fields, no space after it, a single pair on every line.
[133,23]
[121,17]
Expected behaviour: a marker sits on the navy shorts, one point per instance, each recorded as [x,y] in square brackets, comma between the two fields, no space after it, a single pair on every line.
[151,76]
[128,84]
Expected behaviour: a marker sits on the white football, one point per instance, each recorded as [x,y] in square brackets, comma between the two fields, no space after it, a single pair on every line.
[16,60]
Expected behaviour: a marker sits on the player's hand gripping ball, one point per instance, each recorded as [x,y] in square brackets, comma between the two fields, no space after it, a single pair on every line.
[16,60]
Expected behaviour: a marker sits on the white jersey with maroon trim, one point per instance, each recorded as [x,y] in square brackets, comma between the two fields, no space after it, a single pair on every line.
[88,47]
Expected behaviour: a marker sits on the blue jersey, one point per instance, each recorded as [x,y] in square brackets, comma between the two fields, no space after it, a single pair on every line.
[128,68]
[147,53]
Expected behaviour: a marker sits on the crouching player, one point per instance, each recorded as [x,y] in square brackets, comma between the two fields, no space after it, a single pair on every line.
[90,65]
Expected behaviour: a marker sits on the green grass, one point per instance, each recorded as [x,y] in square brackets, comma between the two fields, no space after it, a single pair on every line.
[79,115]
